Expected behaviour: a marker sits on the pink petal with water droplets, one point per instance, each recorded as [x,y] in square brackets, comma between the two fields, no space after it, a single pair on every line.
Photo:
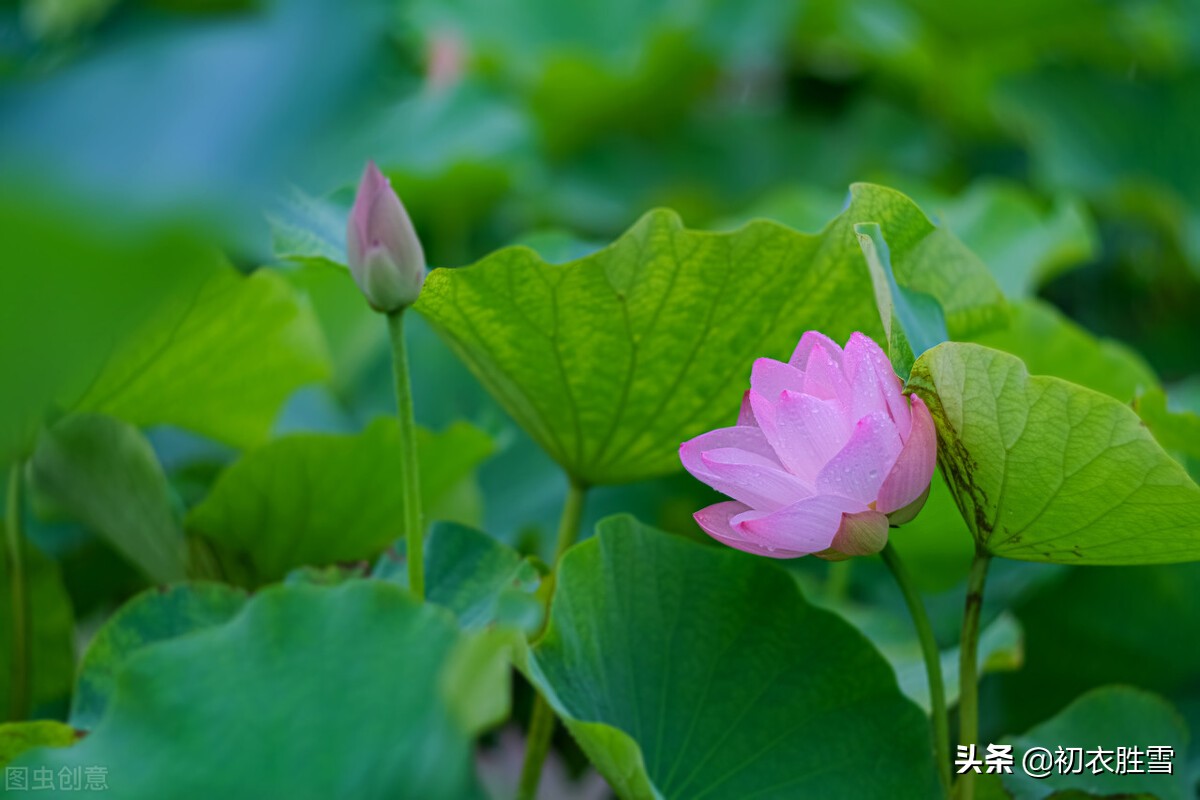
[808,432]
[808,341]
[752,479]
[866,363]
[743,438]
[866,388]
[771,378]
[910,476]
[715,521]
[823,377]
[807,526]
[860,468]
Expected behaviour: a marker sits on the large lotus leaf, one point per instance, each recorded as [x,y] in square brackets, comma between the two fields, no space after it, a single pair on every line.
[315,499]
[685,670]
[220,360]
[612,360]
[153,616]
[309,692]
[1046,470]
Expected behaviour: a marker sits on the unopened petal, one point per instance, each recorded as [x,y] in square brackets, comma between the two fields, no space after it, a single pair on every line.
[810,340]
[770,378]
[823,377]
[876,387]
[910,476]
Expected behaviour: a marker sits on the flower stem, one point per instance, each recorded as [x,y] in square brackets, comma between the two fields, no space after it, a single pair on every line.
[410,487]
[933,662]
[19,698]
[837,583]
[541,723]
[968,673]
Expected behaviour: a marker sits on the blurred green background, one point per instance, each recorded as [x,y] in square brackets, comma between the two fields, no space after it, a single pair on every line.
[1057,138]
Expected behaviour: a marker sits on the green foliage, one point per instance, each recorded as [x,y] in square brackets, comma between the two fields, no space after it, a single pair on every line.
[51,626]
[316,499]
[346,689]
[1050,344]
[218,360]
[58,324]
[1129,621]
[610,361]
[1044,470]
[17,737]
[157,615]
[1108,718]
[913,321]
[480,580]
[1001,648]
[1023,245]
[103,472]
[747,690]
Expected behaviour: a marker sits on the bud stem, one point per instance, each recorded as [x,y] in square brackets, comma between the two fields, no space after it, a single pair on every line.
[542,721]
[19,698]
[410,480]
[933,663]
[968,672]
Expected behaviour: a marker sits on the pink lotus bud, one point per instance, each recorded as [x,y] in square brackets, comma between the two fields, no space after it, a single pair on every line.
[826,454]
[382,249]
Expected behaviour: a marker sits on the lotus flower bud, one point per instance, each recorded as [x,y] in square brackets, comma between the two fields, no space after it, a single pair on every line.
[827,453]
[382,249]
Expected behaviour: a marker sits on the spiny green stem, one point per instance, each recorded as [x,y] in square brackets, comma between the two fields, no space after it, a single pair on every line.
[410,486]
[541,724]
[968,673]
[19,699]
[933,662]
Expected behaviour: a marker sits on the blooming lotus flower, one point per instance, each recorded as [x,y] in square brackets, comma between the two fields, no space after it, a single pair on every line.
[382,249]
[827,453]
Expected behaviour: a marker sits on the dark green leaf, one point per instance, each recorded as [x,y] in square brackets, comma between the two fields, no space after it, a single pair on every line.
[51,625]
[154,616]
[104,473]
[688,671]
[1108,718]
[481,580]
[307,693]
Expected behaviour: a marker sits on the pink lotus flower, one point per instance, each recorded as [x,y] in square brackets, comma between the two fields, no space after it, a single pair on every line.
[383,251]
[826,454]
